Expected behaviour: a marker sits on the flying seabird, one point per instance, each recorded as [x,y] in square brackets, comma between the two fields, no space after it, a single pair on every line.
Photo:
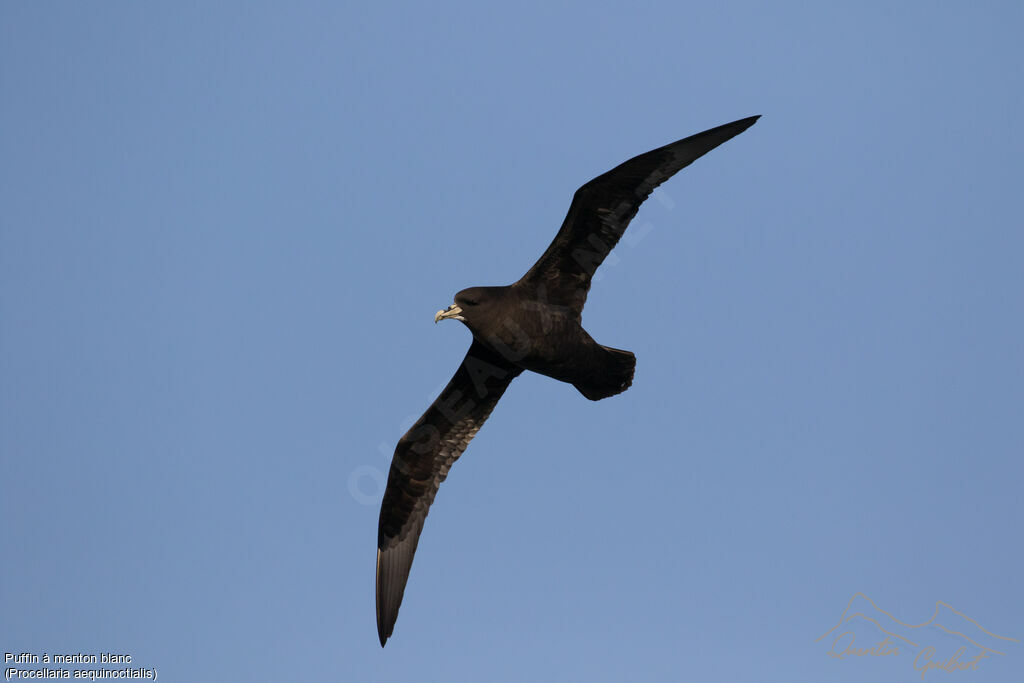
[532,324]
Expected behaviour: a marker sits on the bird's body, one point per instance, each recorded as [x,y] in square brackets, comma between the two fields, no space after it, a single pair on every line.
[533,324]
[540,336]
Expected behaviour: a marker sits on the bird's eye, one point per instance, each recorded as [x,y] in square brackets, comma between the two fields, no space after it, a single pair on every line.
[469,302]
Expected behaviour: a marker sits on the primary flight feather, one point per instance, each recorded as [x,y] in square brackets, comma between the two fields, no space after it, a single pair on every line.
[532,324]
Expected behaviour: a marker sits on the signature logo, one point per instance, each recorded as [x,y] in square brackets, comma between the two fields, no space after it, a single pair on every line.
[949,641]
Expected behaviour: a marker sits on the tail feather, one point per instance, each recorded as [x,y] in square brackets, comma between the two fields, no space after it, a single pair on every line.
[612,377]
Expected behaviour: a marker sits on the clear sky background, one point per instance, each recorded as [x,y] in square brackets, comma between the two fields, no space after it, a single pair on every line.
[226,228]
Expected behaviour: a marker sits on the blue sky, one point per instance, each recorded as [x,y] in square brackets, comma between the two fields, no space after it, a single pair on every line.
[226,229]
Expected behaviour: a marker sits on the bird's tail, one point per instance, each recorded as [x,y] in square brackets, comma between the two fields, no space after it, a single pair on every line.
[613,375]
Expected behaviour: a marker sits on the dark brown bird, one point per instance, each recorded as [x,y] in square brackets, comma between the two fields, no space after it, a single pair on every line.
[533,324]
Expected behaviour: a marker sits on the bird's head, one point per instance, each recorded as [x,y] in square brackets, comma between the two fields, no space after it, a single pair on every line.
[472,306]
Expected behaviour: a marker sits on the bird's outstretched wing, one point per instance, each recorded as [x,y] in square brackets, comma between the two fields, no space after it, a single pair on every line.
[421,462]
[602,209]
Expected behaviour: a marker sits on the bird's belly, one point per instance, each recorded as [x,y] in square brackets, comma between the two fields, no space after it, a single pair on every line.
[566,362]
[555,346]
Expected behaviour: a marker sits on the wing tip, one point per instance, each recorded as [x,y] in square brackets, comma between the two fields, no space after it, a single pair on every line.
[380,622]
[387,600]
[743,124]
[723,133]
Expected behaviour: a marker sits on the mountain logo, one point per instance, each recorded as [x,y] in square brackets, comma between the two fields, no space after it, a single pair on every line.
[949,641]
